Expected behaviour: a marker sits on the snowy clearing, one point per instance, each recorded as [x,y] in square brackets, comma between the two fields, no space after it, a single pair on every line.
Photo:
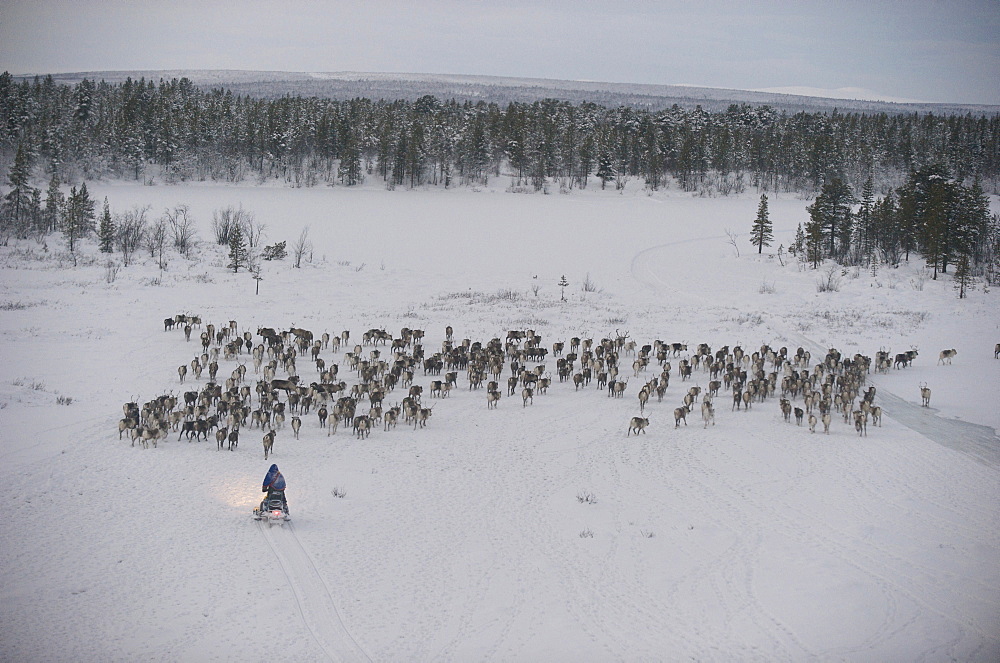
[538,532]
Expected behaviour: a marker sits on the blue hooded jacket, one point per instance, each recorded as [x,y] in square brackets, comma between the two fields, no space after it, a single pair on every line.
[273,480]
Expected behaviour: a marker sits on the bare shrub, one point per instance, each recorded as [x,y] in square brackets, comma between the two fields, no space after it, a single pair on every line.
[586,497]
[588,284]
[766,288]
[182,228]
[13,306]
[830,280]
[111,271]
[131,229]
[303,246]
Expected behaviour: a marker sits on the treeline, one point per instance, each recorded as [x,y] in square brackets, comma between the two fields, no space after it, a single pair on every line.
[931,215]
[176,131]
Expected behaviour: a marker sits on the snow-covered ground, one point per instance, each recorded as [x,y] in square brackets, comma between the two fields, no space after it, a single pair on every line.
[469,539]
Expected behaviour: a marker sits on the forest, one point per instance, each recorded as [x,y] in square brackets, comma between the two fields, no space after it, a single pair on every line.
[932,173]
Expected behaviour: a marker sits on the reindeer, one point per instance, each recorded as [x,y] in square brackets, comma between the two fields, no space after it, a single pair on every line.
[637,424]
[221,436]
[390,418]
[799,413]
[876,414]
[527,395]
[904,359]
[619,388]
[362,426]
[826,418]
[492,399]
[296,425]
[423,414]
[996,351]
[707,413]
[861,423]
[925,395]
[333,420]
[234,439]
[680,414]
[268,444]
[643,397]
[946,355]
[126,424]
[812,423]
[182,371]
[786,409]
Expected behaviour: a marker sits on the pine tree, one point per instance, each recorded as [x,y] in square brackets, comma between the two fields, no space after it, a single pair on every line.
[78,221]
[963,276]
[863,246]
[54,203]
[238,254]
[106,230]
[35,215]
[830,216]
[761,233]
[799,245]
[15,217]
[814,242]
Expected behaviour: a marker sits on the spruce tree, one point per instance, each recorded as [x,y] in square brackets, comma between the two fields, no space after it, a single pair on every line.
[238,255]
[761,233]
[605,168]
[106,230]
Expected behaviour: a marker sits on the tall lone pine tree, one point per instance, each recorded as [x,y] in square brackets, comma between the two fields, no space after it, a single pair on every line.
[762,232]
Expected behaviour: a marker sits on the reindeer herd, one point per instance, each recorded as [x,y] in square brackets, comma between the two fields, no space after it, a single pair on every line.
[382,363]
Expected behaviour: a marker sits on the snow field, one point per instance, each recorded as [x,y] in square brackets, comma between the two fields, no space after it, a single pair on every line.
[752,539]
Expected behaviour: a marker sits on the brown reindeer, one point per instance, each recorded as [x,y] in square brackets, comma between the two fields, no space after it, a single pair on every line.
[637,424]
[268,444]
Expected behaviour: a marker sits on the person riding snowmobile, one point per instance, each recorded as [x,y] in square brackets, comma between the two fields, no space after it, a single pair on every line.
[274,486]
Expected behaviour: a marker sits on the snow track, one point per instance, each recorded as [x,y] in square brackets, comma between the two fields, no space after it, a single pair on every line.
[312,596]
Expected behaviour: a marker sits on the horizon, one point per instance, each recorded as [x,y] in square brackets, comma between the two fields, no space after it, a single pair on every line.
[924,51]
[836,94]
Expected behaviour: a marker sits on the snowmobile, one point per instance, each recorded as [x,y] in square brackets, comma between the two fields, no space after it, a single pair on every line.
[274,509]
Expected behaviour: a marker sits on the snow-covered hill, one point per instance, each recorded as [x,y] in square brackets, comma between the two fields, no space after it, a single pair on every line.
[502,90]
[530,532]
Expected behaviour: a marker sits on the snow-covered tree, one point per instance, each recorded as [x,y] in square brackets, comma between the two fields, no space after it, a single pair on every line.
[761,233]
[106,230]
[239,256]
[78,221]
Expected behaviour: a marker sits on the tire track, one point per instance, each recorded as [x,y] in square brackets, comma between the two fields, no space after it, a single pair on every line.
[313,599]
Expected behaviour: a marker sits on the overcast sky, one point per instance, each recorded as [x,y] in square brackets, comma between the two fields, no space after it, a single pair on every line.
[921,50]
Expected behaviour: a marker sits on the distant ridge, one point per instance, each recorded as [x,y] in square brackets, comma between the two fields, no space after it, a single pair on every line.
[502,90]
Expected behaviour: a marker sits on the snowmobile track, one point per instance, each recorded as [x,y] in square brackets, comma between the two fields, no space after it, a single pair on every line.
[313,598]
